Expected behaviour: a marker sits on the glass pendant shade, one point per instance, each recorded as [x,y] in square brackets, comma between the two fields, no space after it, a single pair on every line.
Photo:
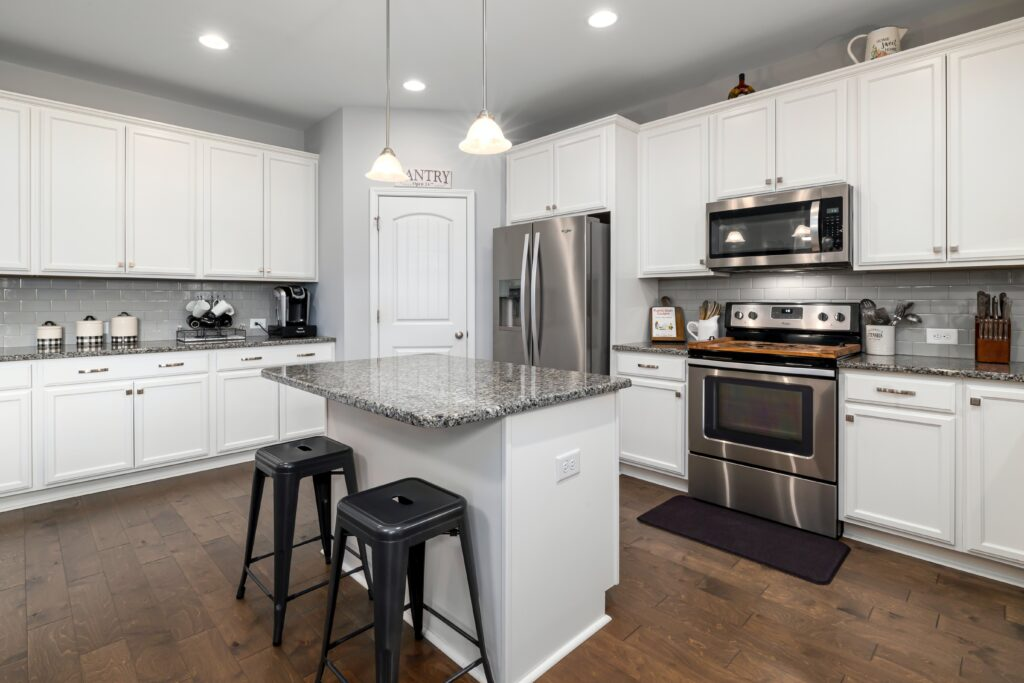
[387,168]
[485,137]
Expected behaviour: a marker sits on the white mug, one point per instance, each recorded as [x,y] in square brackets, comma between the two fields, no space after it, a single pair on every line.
[220,307]
[198,307]
[703,330]
[880,42]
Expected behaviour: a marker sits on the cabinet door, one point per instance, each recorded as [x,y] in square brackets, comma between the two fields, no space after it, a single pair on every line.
[743,152]
[87,430]
[289,211]
[16,445]
[531,178]
[302,414]
[233,210]
[161,202]
[811,136]
[581,172]
[985,149]
[247,410]
[673,198]
[172,419]
[993,472]
[15,180]
[651,424]
[81,193]
[900,471]
[902,161]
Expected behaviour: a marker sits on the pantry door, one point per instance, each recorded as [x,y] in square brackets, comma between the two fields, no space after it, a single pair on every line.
[424,261]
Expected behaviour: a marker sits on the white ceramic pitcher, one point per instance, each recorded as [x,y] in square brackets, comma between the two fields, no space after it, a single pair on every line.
[703,330]
[880,42]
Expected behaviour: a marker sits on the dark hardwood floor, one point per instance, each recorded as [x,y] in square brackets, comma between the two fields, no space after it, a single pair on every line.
[139,585]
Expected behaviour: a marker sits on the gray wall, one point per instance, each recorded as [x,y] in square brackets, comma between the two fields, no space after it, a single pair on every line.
[159,304]
[943,298]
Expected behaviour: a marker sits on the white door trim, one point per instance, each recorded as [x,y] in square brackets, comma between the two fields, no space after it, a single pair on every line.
[376,193]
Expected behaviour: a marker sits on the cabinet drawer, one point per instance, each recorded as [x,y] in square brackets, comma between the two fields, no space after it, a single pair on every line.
[15,376]
[652,365]
[901,390]
[105,368]
[268,356]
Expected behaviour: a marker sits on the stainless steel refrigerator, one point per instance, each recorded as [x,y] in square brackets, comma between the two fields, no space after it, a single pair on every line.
[551,293]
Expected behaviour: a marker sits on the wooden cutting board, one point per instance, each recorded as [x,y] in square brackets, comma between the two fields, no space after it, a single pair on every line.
[728,344]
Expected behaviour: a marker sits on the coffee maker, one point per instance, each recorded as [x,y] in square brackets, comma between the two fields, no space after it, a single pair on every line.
[291,305]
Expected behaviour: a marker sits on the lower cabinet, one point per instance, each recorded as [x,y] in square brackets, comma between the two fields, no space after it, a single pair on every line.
[172,419]
[652,424]
[900,468]
[302,414]
[16,444]
[88,430]
[247,409]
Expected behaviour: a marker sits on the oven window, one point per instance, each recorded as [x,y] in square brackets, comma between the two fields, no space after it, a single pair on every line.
[760,414]
[762,231]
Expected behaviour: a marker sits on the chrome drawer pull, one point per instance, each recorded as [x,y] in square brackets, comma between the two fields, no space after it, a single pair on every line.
[646,366]
[897,392]
[171,365]
[975,401]
[253,358]
[305,355]
[94,370]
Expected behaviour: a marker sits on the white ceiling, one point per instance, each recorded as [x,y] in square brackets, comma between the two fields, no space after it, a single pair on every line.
[294,62]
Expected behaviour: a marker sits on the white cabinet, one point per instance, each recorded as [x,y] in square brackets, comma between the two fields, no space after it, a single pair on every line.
[161,212]
[247,410]
[652,416]
[88,430]
[994,471]
[811,136]
[673,196]
[302,414]
[172,419]
[530,182]
[15,187]
[16,444]
[899,471]
[82,180]
[289,212]
[233,210]
[985,149]
[902,164]
[743,152]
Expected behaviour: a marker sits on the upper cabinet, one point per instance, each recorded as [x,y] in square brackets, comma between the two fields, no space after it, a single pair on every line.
[795,139]
[82,205]
[530,183]
[902,164]
[673,195]
[15,187]
[233,210]
[289,212]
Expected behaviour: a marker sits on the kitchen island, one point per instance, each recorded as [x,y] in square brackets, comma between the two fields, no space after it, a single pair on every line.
[505,437]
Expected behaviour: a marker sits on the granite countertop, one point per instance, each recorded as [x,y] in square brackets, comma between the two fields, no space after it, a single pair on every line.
[667,348]
[163,346]
[435,390]
[930,365]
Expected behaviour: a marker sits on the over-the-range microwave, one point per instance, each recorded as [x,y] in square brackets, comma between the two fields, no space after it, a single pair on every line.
[803,228]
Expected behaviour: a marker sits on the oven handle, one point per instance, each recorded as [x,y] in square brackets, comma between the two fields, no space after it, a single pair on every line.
[757,367]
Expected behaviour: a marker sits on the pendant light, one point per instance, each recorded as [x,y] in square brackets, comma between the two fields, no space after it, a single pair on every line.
[386,168]
[485,136]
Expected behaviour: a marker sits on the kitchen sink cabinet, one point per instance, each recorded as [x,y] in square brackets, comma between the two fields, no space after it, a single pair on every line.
[172,419]
[16,445]
[247,410]
[15,187]
[652,425]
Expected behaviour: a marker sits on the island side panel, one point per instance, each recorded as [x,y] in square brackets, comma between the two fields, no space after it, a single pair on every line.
[562,542]
[466,460]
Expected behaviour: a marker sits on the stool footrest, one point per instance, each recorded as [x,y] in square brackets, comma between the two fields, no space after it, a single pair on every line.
[310,589]
[349,636]
[465,670]
[297,545]
[448,622]
[336,672]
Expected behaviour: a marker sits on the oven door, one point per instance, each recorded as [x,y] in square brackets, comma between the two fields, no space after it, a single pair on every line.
[779,418]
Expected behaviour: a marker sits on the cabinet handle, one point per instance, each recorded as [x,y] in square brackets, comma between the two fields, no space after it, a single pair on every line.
[171,365]
[779,180]
[937,249]
[547,207]
[767,181]
[975,401]
[554,206]
[305,355]
[268,270]
[253,358]
[897,392]
[128,392]
[954,248]
[261,269]
[849,418]
[140,392]
[702,262]
[131,264]
[647,366]
[94,370]
[120,264]
[679,394]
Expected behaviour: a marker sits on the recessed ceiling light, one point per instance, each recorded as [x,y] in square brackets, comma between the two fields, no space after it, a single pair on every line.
[214,41]
[415,85]
[603,18]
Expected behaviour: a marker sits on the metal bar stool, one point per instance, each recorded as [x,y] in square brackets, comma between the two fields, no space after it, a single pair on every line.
[287,464]
[396,520]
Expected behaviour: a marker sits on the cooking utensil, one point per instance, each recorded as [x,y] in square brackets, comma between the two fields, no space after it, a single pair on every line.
[1003,300]
[912,318]
[983,302]
[867,309]
[882,317]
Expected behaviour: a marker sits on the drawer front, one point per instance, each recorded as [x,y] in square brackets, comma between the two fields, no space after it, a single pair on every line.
[106,368]
[658,365]
[269,356]
[15,376]
[893,389]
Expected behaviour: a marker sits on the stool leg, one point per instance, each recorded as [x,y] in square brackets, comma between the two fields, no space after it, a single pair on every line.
[390,567]
[258,479]
[417,564]
[322,492]
[474,595]
[286,499]
[332,598]
[352,486]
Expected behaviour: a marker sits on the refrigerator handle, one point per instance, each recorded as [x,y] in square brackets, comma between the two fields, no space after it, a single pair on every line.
[522,300]
[534,295]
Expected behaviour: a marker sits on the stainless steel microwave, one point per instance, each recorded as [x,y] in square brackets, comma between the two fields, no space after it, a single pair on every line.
[781,230]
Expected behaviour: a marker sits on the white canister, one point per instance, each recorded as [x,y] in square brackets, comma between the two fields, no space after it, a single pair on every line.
[49,336]
[89,331]
[124,329]
[880,340]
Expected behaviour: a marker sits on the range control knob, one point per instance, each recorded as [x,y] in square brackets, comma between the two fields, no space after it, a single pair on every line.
[752,315]
[738,315]
[823,317]
[840,317]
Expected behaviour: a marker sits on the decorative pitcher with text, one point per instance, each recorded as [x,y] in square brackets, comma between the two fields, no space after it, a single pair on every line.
[880,42]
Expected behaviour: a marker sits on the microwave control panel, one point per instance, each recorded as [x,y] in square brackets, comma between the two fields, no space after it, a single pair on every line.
[831,221]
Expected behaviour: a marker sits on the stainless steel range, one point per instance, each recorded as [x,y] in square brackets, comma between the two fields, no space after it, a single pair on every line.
[763,403]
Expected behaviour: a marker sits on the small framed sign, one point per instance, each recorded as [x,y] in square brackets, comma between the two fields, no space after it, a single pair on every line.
[667,323]
[427,177]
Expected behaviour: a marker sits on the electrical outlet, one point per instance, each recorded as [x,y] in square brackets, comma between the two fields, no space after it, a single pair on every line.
[940,336]
[567,465]
[255,323]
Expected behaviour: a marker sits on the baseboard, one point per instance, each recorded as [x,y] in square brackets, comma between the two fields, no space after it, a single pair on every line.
[671,481]
[560,654]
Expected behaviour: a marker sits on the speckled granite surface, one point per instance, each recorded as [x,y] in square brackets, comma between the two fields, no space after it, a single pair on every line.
[928,365]
[164,346]
[648,347]
[442,391]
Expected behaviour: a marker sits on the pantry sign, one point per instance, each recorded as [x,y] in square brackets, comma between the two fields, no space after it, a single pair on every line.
[427,177]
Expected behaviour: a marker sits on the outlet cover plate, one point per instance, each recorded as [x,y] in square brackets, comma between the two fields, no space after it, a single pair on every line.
[567,465]
[941,336]
[254,323]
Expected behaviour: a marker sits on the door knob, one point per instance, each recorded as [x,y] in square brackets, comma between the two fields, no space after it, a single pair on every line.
[458,335]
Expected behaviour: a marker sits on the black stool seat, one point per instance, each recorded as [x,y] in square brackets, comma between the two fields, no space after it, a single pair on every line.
[287,464]
[401,510]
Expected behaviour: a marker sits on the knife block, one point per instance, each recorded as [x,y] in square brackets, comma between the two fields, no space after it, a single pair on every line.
[992,341]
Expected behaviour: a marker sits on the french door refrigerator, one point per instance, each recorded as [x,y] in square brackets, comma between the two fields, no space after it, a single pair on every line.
[551,293]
